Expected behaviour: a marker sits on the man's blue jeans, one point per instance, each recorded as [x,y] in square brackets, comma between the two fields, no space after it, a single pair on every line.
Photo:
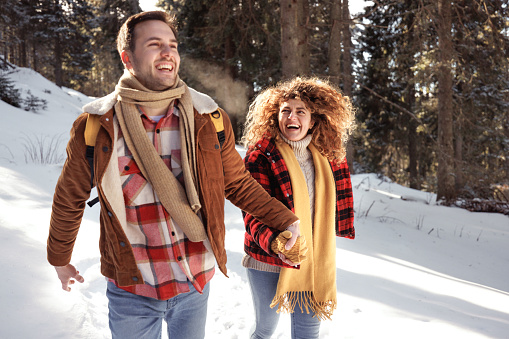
[263,288]
[137,317]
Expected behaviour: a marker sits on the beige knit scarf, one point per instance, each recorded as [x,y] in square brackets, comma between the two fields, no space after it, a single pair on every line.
[181,203]
[313,286]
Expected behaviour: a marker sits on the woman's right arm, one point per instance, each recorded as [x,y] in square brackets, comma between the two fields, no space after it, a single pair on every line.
[259,167]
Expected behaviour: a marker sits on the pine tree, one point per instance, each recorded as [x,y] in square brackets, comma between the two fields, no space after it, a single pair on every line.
[61,32]
[412,77]
[8,92]
[481,87]
[107,68]
[295,51]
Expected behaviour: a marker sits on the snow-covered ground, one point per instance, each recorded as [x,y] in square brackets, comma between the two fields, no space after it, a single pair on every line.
[415,270]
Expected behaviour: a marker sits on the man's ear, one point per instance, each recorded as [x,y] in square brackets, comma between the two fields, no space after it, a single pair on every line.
[126,59]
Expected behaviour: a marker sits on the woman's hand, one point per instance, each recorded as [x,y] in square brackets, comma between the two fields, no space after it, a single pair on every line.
[294,228]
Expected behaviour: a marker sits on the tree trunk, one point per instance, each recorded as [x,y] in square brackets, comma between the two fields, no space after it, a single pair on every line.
[229,54]
[458,156]
[335,43]
[34,57]
[23,60]
[135,5]
[446,181]
[347,51]
[347,71]
[413,152]
[295,53]
[57,63]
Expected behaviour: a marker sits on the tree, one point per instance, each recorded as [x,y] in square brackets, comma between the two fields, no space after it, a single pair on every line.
[107,67]
[445,175]
[61,31]
[334,55]
[294,38]
[387,95]
[422,74]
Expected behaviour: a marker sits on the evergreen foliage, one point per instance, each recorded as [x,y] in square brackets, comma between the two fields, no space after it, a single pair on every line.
[243,37]
[9,93]
[398,94]
[109,15]
[34,104]
[397,70]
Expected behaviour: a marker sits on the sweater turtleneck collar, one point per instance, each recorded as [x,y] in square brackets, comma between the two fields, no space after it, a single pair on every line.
[299,147]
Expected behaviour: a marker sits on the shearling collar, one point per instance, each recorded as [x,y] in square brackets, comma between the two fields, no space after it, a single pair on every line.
[201,102]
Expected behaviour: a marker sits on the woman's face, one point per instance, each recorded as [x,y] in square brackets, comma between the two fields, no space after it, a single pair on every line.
[294,119]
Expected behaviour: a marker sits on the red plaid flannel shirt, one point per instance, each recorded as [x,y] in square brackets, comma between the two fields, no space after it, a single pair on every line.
[266,165]
[164,255]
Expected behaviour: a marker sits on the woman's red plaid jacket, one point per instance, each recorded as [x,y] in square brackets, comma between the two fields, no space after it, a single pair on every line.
[267,166]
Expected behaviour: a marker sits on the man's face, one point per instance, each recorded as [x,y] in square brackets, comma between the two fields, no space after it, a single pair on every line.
[155,61]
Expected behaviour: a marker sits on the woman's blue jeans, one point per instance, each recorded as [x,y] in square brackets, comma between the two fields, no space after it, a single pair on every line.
[263,288]
[137,317]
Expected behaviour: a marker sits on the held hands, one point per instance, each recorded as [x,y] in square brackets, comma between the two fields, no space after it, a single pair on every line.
[295,233]
[67,275]
[294,255]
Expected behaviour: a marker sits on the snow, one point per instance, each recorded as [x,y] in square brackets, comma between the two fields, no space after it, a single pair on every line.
[415,270]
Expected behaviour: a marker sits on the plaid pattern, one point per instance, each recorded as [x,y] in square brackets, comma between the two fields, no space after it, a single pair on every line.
[267,166]
[164,255]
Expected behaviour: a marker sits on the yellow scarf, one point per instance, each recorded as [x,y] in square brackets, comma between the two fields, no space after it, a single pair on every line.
[313,286]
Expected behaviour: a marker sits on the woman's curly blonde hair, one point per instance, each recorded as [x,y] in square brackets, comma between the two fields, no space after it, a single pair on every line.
[332,113]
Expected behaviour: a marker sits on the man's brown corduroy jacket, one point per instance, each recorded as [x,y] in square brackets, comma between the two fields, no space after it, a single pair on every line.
[221,174]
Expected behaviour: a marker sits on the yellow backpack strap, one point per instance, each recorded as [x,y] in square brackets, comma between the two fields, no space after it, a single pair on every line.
[91,130]
[217,120]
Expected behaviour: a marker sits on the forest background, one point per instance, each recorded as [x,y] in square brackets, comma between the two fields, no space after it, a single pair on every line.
[429,78]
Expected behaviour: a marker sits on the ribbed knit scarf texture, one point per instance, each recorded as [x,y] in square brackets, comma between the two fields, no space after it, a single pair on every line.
[181,203]
[313,286]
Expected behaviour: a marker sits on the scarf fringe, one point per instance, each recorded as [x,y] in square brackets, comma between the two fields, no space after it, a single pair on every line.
[305,300]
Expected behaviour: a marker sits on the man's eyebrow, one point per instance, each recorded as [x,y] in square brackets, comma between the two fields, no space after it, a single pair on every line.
[159,39]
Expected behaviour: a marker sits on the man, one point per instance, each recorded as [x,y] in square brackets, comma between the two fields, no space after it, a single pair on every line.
[161,176]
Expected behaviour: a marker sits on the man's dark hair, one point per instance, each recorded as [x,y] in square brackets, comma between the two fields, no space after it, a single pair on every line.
[126,38]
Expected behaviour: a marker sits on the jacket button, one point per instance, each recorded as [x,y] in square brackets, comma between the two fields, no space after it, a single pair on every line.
[287,195]
[135,279]
[126,168]
[110,214]
[122,244]
[273,161]
[216,146]
[268,153]
[105,149]
[107,119]
[158,131]
[179,258]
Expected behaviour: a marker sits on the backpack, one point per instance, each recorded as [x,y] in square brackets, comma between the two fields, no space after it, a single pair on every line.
[92,128]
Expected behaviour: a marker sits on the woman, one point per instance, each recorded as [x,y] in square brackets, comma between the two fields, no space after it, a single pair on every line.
[296,134]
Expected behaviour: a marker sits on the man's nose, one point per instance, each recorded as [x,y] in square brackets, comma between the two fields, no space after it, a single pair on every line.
[166,50]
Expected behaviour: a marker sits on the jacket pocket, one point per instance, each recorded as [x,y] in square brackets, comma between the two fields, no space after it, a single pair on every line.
[209,158]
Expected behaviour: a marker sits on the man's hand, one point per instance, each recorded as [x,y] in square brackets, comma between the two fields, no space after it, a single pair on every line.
[67,275]
[294,228]
[295,255]
[286,261]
